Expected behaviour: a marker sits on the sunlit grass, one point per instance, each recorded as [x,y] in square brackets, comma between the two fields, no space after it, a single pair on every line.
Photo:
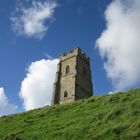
[108,117]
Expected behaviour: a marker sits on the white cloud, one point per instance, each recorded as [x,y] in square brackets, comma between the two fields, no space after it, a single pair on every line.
[36,88]
[6,107]
[119,43]
[113,92]
[31,21]
[48,56]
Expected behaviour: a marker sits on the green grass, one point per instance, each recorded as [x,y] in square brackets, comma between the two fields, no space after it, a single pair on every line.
[108,117]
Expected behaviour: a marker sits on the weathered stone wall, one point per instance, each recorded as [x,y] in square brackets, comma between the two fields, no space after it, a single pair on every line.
[83,79]
[67,81]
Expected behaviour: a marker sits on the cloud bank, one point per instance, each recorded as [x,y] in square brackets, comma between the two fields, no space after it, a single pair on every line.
[36,88]
[6,107]
[119,43]
[33,21]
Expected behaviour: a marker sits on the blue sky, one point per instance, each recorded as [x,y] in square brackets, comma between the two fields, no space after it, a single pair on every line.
[85,23]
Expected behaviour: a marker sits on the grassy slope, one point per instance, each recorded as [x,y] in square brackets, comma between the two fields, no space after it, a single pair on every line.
[106,117]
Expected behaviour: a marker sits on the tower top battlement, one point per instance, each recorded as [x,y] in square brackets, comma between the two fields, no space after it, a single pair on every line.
[75,52]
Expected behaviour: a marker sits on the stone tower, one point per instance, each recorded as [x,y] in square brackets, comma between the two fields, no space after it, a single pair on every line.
[73,78]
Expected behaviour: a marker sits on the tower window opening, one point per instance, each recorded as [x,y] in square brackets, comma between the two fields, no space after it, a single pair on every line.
[65,94]
[67,69]
[84,71]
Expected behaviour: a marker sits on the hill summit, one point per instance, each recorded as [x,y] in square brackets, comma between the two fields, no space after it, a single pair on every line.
[107,117]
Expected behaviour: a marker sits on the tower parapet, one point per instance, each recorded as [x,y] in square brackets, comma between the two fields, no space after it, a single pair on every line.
[75,52]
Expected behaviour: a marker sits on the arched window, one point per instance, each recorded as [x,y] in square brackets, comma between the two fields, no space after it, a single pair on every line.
[65,94]
[67,69]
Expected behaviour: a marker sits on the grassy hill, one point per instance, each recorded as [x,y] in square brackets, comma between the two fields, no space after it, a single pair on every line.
[108,117]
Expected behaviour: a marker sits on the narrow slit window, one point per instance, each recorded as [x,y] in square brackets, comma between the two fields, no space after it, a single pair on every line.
[65,94]
[84,71]
[67,69]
